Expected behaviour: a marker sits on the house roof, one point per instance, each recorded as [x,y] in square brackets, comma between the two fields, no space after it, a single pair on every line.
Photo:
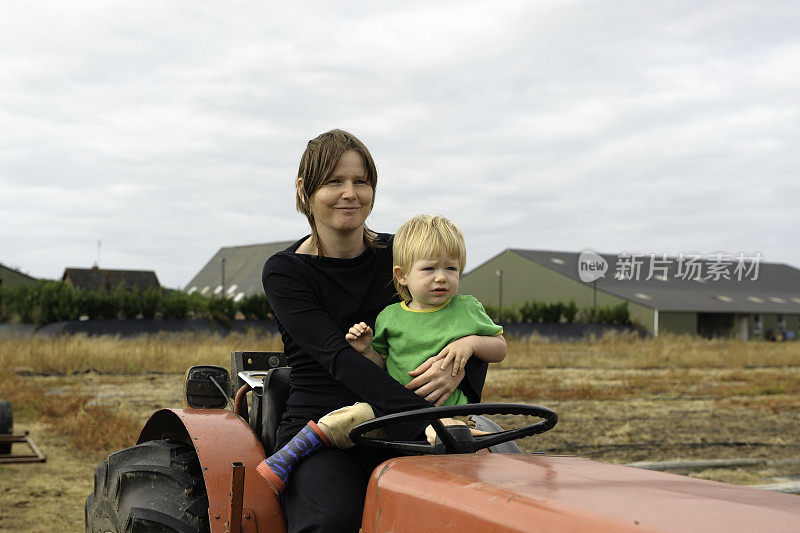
[243,265]
[774,288]
[10,277]
[96,279]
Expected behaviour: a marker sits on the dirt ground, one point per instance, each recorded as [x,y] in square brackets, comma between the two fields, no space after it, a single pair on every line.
[609,415]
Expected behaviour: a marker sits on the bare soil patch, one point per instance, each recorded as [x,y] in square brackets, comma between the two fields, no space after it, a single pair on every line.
[624,416]
[50,496]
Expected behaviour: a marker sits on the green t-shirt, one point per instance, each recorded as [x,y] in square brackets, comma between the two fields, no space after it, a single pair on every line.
[406,337]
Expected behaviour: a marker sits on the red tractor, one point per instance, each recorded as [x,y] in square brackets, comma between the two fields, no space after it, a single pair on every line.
[193,470]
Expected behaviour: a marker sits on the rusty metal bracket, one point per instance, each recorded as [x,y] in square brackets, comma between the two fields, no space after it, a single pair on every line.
[37,457]
[237,498]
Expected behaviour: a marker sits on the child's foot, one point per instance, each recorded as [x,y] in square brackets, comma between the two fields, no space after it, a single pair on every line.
[277,468]
[341,421]
[272,478]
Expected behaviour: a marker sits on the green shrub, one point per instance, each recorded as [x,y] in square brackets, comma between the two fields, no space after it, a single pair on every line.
[198,305]
[151,302]
[530,312]
[56,302]
[511,314]
[222,310]
[82,303]
[615,314]
[20,303]
[254,306]
[551,313]
[96,304]
[620,315]
[107,305]
[5,312]
[175,305]
[569,311]
[130,302]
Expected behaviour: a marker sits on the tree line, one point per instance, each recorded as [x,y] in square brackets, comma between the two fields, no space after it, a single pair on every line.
[56,301]
[551,313]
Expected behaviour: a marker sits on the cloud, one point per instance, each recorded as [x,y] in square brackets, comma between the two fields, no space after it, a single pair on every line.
[169,130]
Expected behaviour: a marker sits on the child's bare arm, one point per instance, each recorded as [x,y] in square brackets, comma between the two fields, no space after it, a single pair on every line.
[485,348]
[375,357]
[360,339]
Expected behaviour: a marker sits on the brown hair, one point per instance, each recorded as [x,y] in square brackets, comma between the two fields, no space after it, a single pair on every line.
[316,166]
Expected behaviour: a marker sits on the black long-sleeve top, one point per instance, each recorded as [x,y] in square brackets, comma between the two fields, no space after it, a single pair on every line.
[316,300]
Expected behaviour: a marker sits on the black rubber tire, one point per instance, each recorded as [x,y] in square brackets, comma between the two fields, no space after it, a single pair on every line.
[6,425]
[154,486]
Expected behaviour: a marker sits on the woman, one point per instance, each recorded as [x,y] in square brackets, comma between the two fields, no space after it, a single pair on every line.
[337,276]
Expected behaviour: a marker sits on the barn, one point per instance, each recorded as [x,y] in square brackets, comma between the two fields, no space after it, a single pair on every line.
[235,270]
[719,296]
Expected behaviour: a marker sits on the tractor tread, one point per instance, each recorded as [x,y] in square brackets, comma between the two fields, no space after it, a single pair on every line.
[153,486]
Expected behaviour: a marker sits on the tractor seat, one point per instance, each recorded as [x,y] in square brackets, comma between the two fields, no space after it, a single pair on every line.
[273,404]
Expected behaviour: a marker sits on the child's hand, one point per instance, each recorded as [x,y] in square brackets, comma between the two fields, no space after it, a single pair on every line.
[430,433]
[359,337]
[457,352]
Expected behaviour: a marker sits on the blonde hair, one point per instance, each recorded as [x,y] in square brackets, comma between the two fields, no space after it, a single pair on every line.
[319,160]
[426,236]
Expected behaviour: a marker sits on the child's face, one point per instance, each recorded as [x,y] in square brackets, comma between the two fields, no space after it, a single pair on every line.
[431,281]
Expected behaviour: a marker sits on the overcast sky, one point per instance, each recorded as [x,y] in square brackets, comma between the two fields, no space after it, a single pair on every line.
[169,129]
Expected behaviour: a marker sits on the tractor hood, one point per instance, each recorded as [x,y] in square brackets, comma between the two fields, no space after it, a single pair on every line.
[540,493]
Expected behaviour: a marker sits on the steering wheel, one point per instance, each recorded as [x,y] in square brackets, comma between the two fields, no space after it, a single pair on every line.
[457,439]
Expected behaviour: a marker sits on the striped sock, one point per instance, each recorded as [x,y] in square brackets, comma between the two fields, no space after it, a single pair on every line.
[277,468]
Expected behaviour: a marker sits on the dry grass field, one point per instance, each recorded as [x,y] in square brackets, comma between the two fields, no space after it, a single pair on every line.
[620,399]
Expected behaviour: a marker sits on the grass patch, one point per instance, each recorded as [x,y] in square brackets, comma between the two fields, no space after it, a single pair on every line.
[631,384]
[769,404]
[164,352]
[628,350]
[89,428]
[174,353]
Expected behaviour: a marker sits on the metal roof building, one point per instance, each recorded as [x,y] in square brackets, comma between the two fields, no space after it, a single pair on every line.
[236,270]
[716,296]
[98,279]
[10,277]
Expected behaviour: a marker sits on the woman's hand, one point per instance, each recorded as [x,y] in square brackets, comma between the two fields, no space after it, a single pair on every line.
[359,337]
[434,383]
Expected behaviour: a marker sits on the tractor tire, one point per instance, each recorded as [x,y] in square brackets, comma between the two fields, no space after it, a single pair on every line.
[154,486]
[6,425]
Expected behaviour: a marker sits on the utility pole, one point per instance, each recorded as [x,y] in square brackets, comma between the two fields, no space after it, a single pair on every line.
[223,277]
[500,296]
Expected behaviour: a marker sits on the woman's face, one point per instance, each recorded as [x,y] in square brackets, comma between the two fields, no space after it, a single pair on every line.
[343,202]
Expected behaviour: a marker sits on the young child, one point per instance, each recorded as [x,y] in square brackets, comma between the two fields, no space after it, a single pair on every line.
[432,321]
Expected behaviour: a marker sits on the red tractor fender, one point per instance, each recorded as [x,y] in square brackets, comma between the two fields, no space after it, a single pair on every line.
[221,438]
[516,493]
